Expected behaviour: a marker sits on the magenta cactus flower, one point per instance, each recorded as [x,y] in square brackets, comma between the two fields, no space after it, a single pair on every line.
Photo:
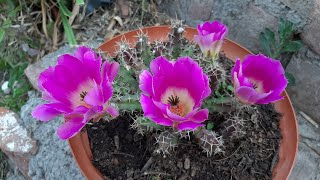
[258,79]
[210,38]
[172,95]
[78,89]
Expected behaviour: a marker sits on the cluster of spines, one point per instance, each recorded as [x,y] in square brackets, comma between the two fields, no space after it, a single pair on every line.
[209,141]
[166,141]
[144,125]
[233,126]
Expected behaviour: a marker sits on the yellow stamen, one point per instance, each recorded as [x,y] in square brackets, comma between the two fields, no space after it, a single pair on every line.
[85,104]
[179,109]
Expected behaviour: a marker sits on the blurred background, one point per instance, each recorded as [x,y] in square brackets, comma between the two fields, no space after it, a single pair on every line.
[33,33]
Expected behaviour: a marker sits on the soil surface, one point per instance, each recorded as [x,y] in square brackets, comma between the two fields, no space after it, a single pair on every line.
[120,153]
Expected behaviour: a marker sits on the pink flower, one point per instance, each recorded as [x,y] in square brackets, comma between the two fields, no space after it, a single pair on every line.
[78,89]
[258,79]
[210,37]
[173,93]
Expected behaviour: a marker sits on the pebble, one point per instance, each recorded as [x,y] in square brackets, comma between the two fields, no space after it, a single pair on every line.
[187,163]
[183,177]
[116,142]
[115,161]
[5,87]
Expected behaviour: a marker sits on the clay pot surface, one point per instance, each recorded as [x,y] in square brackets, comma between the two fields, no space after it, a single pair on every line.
[79,144]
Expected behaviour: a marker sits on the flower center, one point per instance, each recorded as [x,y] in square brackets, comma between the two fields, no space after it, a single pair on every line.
[173,100]
[257,85]
[176,107]
[78,95]
[181,103]
[82,95]
[179,110]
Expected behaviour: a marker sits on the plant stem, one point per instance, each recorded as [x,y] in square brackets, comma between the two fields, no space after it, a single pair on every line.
[129,105]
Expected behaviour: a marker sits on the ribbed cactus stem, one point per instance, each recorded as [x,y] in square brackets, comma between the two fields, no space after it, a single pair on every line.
[209,141]
[167,141]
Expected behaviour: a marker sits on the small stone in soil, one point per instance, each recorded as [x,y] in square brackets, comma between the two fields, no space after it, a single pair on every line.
[187,163]
[116,142]
[180,165]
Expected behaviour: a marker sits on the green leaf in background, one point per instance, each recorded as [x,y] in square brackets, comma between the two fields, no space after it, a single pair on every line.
[7,22]
[270,37]
[210,126]
[80,2]
[68,30]
[4,65]
[286,29]
[9,3]
[290,78]
[12,14]
[63,8]
[264,43]
[291,46]
[2,32]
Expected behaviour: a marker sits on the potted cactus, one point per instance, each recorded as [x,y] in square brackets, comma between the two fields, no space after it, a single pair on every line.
[170,103]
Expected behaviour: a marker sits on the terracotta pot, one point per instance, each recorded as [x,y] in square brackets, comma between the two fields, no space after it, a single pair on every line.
[288,146]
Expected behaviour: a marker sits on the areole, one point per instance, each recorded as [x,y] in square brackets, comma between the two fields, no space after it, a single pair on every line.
[80,147]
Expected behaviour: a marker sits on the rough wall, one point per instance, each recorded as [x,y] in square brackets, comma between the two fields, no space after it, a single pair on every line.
[247,18]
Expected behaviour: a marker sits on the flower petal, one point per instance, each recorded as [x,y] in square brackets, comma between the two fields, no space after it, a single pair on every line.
[70,128]
[112,111]
[45,113]
[161,66]
[153,112]
[78,112]
[93,65]
[80,51]
[162,121]
[266,70]
[95,96]
[189,125]
[236,68]
[249,95]
[63,108]
[76,66]
[43,77]
[107,90]
[145,83]
[238,77]
[207,90]
[187,74]
[92,113]
[200,116]
[210,37]
[258,79]
[110,70]
[174,116]
[194,81]
[65,77]
[270,99]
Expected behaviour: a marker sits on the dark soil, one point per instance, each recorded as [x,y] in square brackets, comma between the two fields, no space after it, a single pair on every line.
[251,157]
